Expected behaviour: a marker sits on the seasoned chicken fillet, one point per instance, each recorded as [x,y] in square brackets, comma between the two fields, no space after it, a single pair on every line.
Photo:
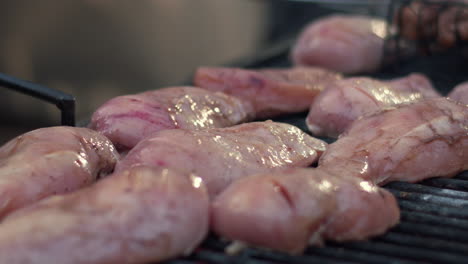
[50,161]
[222,155]
[347,44]
[346,100]
[272,92]
[286,210]
[126,120]
[136,216]
[409,142]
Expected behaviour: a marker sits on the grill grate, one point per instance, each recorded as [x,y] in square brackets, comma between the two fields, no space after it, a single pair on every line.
[434,212]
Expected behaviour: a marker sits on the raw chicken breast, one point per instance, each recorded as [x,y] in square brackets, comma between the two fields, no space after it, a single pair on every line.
[126,120]
[460,93]
[348,44]
[136,216]
[286,210]
[272,92]
[409,143]
[344,101]
[221,156]
[50,161]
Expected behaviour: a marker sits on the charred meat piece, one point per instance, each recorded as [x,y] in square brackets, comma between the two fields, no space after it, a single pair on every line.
[348,44]
[221,156]
[289,209]
[344,101]
[136,216]
[50,161]
[272,92]
[408,143]
[460,93]
[126,120]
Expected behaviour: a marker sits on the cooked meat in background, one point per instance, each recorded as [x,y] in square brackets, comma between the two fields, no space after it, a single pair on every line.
[272,92]
[435,26]
[126,120]
[50,161]
[222,155]
[289,209]
[460,93]
[136,216]
[346,100]
[409,143]
[348,44]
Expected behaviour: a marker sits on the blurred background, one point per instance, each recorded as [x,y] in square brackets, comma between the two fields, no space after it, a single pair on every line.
[99,49]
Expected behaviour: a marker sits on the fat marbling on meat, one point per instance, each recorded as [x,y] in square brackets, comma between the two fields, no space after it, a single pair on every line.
[50,161]
[348,44]
[126,120]
[346,100]
[409,142]
[460,93]
[137,216]
[272,92]
[286,210]
[222,155]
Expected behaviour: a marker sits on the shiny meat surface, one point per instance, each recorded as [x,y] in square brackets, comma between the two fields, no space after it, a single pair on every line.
[460,93]
[346,100]
[272,92]
[221,156]
[407,143]
[136,216]
[289,209]
[50,161]
[126,120]
[348,44]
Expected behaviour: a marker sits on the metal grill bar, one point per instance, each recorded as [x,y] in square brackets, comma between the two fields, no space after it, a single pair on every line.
[451,234]
[434,220]
[418,188]
[433,209]
[424,242]
[429,198]
[343,253]
[406,252]
[455,184]
[65,102]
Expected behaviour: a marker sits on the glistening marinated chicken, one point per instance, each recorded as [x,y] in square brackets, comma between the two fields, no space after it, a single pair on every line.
[272,92]
[289,209]
[50,161]
[409,143]
[223,155]
[126,120]
[348,44]
[346,100]
[460,93]
[136,216]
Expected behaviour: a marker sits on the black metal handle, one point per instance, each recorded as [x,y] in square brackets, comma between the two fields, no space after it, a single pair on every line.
[64,101]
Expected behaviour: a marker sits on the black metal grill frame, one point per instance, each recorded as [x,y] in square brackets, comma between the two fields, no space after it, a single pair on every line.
[64,101]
